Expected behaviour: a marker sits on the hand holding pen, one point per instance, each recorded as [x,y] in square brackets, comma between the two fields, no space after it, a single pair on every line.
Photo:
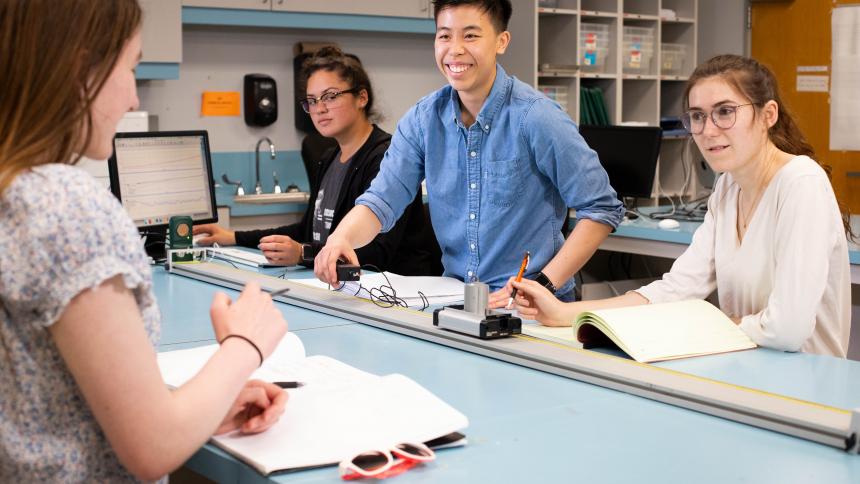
[523,266]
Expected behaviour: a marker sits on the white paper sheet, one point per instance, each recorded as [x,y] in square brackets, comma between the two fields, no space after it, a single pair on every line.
[437,290]
[845,84]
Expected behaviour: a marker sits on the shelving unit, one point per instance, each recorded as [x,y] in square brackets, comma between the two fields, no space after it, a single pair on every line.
[638,84]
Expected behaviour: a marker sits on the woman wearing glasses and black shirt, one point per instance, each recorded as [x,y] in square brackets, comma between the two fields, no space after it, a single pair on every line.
[340,101]
[773,243]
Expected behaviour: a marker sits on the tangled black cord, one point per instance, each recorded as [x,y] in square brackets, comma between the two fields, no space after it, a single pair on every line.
[384,296]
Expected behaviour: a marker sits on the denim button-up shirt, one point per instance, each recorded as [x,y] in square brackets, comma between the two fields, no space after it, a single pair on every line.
[497,188]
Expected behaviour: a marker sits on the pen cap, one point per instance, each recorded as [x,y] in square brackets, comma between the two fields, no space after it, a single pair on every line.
[475,298]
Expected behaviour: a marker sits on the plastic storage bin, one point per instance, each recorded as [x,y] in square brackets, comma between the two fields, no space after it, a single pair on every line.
[672,57]
[556,93]
[593,47]
[637,50]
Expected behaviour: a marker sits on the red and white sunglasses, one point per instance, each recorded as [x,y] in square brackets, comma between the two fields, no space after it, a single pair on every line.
[381,464]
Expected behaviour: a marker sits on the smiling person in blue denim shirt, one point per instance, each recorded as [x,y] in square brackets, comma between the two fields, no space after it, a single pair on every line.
[502,164]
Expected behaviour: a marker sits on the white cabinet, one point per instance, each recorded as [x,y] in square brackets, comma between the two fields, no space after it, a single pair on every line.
[161,33]
[241,4]
[385,8]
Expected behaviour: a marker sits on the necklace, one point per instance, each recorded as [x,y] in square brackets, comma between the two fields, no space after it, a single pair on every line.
[745,219]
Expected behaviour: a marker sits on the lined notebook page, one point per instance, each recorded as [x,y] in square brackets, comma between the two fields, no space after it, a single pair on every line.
[666,331]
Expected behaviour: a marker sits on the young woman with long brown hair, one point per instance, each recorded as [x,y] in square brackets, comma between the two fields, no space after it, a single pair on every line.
[83,399]
[773,243]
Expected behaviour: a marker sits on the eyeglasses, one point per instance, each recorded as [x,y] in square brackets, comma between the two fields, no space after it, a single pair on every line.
[328,98]
[385,463]
[724,117]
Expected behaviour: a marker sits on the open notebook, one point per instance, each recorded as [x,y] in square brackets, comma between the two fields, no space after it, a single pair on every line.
[438,291]
[653,332]
[340,411]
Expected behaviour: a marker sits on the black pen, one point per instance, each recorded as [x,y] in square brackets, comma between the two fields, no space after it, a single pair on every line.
[279,292]
[289,384]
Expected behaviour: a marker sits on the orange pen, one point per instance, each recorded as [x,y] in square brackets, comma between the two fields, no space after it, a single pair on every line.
[523,268]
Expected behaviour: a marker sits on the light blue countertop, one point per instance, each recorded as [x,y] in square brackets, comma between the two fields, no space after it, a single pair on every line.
[529,426]
[645,228]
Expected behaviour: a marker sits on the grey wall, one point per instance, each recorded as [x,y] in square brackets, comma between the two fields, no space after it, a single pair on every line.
[401,67]
[722,28]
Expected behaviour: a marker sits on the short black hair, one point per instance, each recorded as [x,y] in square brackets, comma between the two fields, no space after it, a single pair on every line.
[498,10]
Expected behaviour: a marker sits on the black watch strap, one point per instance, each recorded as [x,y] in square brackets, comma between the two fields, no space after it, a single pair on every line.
[309,252]
[544,281]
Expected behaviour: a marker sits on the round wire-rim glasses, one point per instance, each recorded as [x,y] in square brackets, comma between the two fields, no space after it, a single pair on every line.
[328,98]
[723,116]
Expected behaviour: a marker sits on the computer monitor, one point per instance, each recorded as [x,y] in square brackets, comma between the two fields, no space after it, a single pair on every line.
[157,175]
[628,154]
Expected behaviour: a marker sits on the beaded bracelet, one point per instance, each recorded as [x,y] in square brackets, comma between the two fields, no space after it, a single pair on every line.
[246,339]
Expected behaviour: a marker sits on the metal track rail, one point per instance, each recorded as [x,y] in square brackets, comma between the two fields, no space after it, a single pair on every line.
[827,425]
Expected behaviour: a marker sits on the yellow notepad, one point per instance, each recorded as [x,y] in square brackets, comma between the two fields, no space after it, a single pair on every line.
[654,332]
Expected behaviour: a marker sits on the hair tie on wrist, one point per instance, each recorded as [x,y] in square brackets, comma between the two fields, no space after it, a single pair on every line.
[246,339]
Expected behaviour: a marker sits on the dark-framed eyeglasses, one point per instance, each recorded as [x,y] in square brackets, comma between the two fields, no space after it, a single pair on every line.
[724,116]
[328,98]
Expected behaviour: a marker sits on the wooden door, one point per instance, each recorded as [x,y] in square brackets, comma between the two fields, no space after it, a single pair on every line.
[797,33]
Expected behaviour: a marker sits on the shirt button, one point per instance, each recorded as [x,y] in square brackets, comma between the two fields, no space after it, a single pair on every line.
[472,246]
[473,185]
[473,154]
[487,127]
[470,273]
[471,216]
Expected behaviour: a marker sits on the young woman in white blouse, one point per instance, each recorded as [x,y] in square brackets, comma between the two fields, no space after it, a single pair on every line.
[773,242]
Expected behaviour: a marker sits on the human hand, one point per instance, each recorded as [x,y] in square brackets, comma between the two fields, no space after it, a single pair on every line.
[257,407]
[325,264]
[252,315]
[499,299]
[536,302]
[281,250]
[215,234]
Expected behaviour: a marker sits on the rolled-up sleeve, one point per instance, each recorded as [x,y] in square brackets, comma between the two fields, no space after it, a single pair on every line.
[400,173]
[563,156]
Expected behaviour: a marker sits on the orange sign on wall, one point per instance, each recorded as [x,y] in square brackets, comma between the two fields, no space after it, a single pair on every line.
[220,103]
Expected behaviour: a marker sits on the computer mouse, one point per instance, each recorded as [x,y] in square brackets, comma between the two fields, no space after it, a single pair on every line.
[668,224]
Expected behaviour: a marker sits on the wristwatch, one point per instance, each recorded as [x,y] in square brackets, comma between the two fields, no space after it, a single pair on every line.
[309,252]
[544,281]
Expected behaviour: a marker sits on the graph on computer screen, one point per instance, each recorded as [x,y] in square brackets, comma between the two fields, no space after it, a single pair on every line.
[160,177]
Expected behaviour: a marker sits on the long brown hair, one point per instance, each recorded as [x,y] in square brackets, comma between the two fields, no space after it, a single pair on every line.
[55,56]
[757,83]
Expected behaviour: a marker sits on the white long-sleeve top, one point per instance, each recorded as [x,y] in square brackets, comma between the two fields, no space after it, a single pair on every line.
[789,279]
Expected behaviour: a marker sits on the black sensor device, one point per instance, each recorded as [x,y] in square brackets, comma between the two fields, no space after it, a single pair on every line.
[348,272]
[261,100]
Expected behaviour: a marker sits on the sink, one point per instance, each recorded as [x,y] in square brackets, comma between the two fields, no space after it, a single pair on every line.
[289,197]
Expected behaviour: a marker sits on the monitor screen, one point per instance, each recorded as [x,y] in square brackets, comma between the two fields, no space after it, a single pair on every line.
[156,175]
[628,154]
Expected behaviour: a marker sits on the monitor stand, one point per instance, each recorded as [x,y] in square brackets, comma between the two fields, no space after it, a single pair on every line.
[155,242]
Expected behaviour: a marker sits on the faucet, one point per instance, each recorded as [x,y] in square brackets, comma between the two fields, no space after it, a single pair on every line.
[258,189]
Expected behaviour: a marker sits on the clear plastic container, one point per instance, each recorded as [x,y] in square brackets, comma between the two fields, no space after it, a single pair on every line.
[556,93]
[637,50]
[548,3]
[672,57]
[593,46]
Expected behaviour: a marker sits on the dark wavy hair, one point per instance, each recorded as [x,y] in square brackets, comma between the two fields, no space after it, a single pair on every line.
[347,66]
[757,83]
[499,11]
[55,56]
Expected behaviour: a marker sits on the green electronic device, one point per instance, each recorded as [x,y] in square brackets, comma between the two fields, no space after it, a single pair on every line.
[179,236]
